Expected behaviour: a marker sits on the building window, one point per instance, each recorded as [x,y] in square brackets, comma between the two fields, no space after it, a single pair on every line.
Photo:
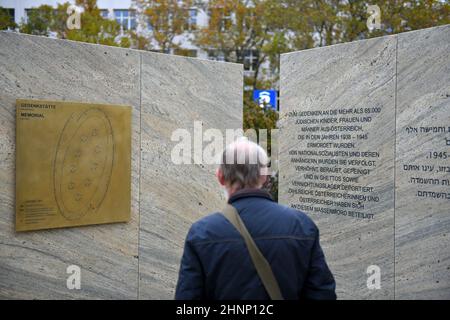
[216,55]
[40,14]
[126,18]
[227,22]
[251,60]
[27,14]
[226,18]
[192,19]
[9,13]
[148,24]
[104,13]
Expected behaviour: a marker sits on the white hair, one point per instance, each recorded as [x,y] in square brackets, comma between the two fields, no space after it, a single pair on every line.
[243,163]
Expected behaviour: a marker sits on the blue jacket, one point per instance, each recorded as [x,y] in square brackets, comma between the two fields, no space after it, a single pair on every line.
[217,266]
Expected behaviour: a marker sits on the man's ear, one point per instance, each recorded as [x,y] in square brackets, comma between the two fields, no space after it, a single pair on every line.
[219,175]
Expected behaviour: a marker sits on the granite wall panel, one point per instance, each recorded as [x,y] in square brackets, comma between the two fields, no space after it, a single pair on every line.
[338,106]
[365,129]
[127,260]
[422,206]
[33,264]
[179,93]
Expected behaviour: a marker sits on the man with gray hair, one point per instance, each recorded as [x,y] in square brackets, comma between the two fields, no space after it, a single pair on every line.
[255,248]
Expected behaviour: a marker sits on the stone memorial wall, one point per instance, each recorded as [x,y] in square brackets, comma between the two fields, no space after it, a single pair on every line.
[364,150]
[139,259]
[366,153]
[422,197]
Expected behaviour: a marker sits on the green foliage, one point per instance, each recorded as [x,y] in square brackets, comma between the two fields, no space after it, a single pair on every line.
[396,16]
[272,186]
[273,27]
[258,118]
[138,41]
[40,21]
[125,42]
[6,20]
[168,19]
[94,28]
[235,27]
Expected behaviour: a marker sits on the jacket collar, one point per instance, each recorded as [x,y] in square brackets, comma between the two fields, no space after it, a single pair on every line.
[245,193]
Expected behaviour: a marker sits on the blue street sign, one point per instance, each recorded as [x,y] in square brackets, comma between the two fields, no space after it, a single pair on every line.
[265,98]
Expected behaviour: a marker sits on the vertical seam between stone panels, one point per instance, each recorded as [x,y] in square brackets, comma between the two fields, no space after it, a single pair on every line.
[139,179]
[395,153]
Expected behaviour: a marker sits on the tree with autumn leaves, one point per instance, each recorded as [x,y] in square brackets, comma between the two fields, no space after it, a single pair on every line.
[269,27]
[273,27]
[46,20]
[167,19]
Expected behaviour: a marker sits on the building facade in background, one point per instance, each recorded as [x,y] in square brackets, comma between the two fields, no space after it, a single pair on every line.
[127,15]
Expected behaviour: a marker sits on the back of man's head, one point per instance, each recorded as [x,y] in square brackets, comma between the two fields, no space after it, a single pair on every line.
[244,164]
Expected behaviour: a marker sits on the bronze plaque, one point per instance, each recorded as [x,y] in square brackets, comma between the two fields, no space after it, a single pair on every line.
[73,164]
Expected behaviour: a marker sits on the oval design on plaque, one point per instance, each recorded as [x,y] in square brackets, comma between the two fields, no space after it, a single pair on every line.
[83,163]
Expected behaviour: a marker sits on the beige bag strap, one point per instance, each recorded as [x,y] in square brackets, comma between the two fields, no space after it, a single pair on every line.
[262,266]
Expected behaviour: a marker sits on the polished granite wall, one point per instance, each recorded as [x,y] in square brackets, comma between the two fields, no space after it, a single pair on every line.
[353,75]
[380,191]
[422,213]
[174,196]
[118,261]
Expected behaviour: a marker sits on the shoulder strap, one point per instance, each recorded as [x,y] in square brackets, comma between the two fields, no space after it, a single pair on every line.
[262,266]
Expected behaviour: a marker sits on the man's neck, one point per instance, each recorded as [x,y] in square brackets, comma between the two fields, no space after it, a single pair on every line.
[232,190]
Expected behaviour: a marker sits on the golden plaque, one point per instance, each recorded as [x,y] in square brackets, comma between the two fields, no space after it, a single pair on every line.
[73,164]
